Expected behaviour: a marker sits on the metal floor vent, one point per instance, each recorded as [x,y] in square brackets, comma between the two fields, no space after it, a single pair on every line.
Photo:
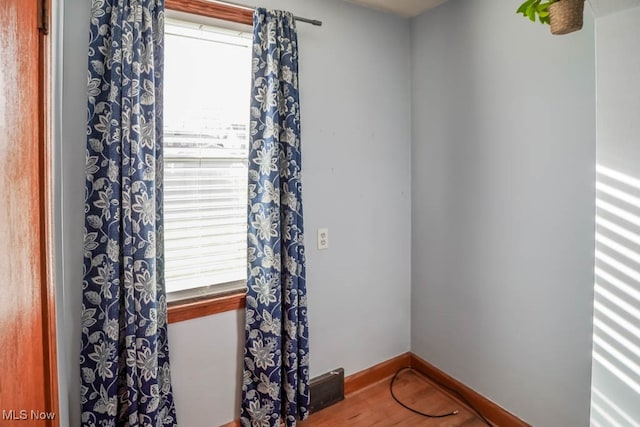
[326,390]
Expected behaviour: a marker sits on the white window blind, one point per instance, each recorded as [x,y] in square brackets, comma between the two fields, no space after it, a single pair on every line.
[206,85]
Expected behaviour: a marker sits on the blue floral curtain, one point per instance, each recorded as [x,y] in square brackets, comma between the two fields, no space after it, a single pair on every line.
[124,358]
[276,355]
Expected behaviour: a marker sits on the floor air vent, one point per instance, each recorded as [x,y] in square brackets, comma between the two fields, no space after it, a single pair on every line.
[326,390]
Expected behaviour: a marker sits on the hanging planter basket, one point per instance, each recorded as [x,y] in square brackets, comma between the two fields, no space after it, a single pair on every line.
[565,16]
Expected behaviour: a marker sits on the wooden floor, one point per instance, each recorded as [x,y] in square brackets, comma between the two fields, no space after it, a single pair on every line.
[374,406]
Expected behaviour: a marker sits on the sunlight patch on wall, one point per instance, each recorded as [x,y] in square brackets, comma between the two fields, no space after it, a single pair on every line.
[616,324]
[605,406]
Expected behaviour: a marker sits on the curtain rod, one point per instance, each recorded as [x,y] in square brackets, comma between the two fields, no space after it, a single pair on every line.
[297,18]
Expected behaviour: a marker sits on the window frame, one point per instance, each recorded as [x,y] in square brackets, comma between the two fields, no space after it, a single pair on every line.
[202,304]
[222,11]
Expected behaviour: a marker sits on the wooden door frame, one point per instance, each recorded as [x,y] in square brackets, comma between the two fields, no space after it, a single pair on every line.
[28,357]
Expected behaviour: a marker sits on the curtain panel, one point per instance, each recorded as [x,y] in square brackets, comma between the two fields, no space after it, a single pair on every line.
[124,357]
[276,355]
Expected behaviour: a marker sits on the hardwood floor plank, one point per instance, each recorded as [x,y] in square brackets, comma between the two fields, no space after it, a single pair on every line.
[446,383]
[374,407]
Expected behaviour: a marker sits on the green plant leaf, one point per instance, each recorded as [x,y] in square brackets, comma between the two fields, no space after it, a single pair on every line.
[533,9]
[522,8]
[531,12]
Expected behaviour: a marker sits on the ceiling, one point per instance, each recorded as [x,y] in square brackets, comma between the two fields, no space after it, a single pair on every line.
[411,8]
[606,7]
[405,8]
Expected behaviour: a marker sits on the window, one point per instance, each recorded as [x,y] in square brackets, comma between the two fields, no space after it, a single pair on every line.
[206,132]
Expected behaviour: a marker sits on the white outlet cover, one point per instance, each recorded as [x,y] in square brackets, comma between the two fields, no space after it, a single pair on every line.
[323,238]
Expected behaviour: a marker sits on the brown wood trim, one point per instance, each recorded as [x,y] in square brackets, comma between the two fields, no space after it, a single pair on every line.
[490,410]
[223,11]
[234,423]
[180,311]
[360,380]
[48,290]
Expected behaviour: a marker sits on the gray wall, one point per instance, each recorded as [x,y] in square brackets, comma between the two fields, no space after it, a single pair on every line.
[503,161]
[69,155]
[616,364]
[356,146]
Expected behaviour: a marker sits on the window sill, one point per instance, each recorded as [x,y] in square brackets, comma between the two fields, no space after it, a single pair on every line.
[179,311]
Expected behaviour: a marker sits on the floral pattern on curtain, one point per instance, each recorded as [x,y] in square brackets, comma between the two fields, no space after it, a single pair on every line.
[276,355]
[124,360]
